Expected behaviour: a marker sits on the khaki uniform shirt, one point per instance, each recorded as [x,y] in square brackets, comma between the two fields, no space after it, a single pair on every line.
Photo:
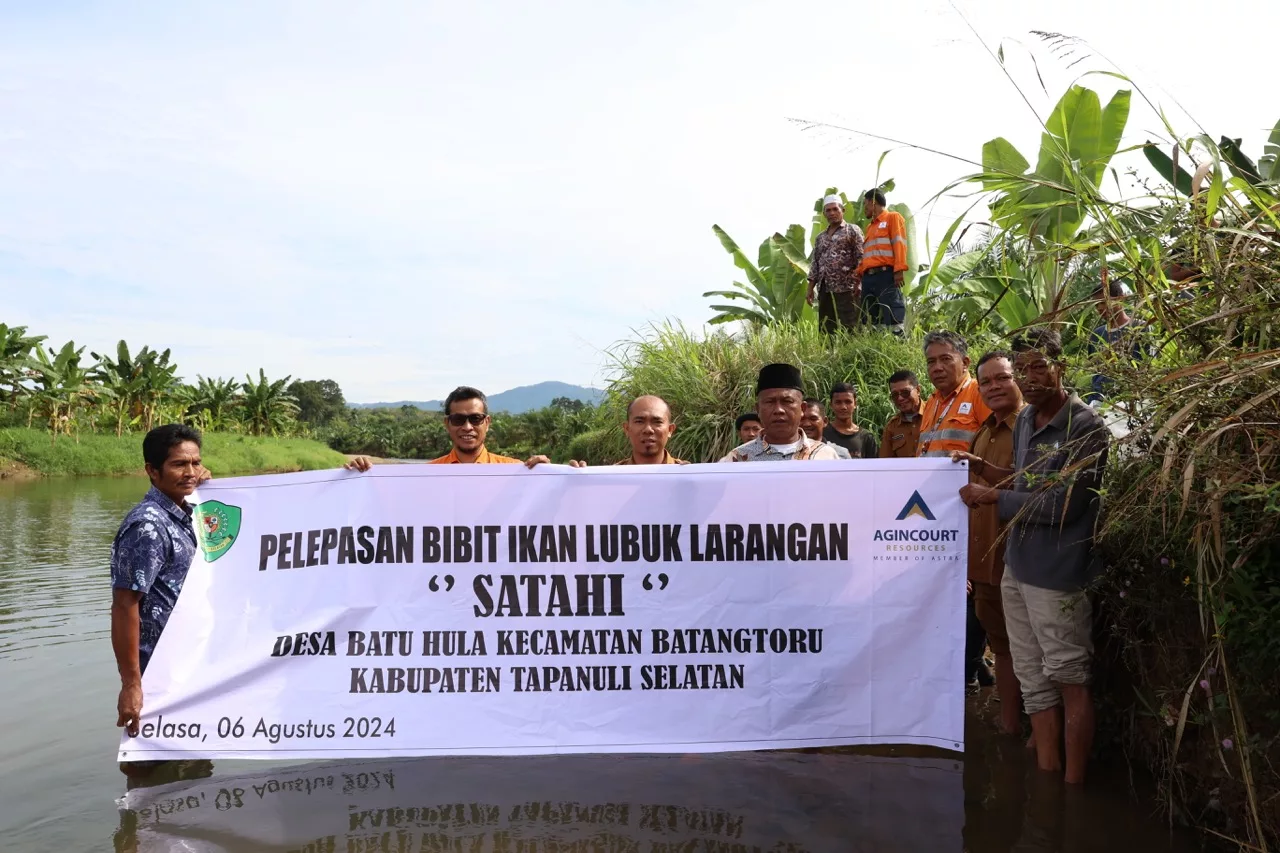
[901,437]
[994,445]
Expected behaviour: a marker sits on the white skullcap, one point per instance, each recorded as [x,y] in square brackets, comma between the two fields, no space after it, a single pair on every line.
[832,199]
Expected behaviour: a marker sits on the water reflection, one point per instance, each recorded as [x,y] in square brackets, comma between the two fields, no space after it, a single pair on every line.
[655,804]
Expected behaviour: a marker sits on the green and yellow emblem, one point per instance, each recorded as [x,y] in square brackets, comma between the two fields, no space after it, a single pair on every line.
[218,526]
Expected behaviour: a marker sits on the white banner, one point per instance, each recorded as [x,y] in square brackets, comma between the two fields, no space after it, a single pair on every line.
[424,610]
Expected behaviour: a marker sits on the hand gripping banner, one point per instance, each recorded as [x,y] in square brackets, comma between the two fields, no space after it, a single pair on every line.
[467,609]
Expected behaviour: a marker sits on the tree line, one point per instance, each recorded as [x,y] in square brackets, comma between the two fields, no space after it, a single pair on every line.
[65,391]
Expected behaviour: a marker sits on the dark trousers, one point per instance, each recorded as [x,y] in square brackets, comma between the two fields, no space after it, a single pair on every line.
[975,640]
[882,300]
[837,310]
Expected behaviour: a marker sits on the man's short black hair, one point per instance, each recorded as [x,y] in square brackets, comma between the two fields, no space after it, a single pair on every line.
[157,443]
[746,418]
[876,196]
[1044,340]
[814,401]
[463,393]
[904,376]
[1114,289]
[951,339]
[991,356]
[843,388]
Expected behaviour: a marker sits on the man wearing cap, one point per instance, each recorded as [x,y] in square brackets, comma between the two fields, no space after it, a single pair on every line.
[780,402]
[833,269]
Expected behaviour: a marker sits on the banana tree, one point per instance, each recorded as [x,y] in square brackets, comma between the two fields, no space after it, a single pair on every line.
[63,386]
[267,406]
[776,284]
[1265,171]
[16,365]
[1041,211]
[212,400]
[138,383]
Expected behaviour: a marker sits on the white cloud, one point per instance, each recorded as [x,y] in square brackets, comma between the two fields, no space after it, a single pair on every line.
[405,196]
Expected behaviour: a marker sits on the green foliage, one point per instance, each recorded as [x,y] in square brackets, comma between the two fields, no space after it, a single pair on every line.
[319,401]
[268,407]
[709,381]
[1038,215]
[411,433]
[137,385]
[107,454]
[776,284]
[211,403]
[16,362]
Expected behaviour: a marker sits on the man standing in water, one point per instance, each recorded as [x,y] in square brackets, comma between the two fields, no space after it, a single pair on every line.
[1060,451]
[991,463]
[149,559]
[780,402]
[833,271]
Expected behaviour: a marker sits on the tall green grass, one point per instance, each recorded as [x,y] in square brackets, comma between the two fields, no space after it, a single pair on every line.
[106,455]
[709,380]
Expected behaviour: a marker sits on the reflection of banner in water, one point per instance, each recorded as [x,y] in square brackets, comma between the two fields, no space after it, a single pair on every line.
[647,804]
[495,610]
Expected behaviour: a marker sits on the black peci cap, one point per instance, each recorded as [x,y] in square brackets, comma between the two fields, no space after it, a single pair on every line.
[778,376]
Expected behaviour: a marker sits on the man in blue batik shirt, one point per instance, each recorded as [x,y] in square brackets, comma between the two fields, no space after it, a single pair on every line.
[150,558]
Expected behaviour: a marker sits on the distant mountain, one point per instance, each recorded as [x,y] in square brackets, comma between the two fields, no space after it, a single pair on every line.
[523,399]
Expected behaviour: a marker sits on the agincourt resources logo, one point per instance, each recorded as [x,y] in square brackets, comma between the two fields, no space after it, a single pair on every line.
[913,537]
[916,506]
[217,527]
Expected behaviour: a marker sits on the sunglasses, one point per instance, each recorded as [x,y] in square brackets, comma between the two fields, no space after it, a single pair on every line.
[903,394]
[459,420]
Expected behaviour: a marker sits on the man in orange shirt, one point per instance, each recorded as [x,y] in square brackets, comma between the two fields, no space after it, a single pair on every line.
[954,412]
[466,417]
[884,264]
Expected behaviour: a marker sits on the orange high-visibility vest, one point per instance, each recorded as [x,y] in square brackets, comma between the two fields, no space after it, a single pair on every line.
[885,243]
[950,423]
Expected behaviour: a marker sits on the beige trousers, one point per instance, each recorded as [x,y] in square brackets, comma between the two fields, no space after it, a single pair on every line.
[1050,640]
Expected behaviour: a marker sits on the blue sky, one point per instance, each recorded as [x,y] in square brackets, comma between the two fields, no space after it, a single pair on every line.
[405,196]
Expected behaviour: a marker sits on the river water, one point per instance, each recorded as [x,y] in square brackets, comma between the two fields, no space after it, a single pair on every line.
[60,788]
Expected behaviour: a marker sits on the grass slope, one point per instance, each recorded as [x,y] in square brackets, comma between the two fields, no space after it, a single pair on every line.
[224,454]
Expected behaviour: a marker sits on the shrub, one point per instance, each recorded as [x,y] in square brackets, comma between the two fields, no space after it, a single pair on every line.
[710,380]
